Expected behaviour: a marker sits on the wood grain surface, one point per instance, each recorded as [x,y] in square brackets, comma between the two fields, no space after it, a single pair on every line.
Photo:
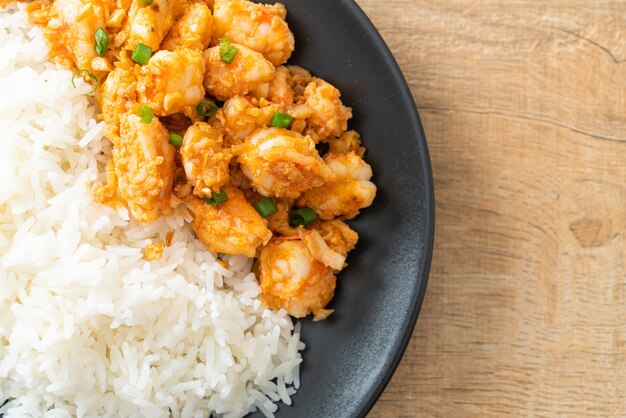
[524,106]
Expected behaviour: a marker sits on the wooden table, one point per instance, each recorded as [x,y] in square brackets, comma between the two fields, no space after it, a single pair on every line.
[524,107]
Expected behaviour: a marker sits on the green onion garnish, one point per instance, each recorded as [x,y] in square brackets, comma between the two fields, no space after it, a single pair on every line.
[176,140]
[266,207]
[302,216]
[229,55]
[146,1]
[141,54]
[217,199]
[206,109]
[102,42]
[91,75]
[281,120]
[146,114]
[227,51]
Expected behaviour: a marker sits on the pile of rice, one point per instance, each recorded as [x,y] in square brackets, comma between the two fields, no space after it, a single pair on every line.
[88,327]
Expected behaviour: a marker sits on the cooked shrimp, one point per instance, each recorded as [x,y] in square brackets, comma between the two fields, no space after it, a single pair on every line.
[349,141]
[192,31]
[119,96]
[279,90]
[261,27]
[322,252]
[349,192]
[204,158]
[282,163]
[147,24]
[171,82]
[292,279]
[234,227]
[299,112]
[298,79]
[144,166]
[246,72]
[338,235]
[72,34]
[239,118]
[330,116]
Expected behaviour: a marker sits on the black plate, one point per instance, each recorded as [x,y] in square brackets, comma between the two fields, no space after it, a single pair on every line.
[351,356]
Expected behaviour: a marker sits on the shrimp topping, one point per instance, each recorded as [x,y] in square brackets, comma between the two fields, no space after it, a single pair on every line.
[204,159]
[192,31]
[347,194]
[146,24]
[144,166]
[292,279]
[338,236]
[282,163]
[330,116]
[260,27]
[119,96]
[72,33]
[248,71]
[239,118]
[233,227]
[172,82]
[279,90]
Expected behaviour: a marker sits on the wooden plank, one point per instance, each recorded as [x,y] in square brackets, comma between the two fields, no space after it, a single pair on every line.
[524,107]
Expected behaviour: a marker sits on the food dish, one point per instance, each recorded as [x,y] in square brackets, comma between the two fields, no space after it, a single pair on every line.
[205,116]
[409,294]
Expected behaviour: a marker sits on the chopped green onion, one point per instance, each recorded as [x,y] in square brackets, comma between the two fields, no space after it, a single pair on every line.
[176,140]
[146,114]
[206,109]
[102,42]
[227,51]
[91,75]
[217,199]
[266,207]
[141,54]
[229,54]
[281,120]
[302,216]
[146,1]
[224,43]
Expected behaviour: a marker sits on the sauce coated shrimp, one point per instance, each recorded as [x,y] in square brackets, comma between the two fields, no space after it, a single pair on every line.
[292,279]
[171,82]
[234,227]
[261,27]
[282,163]
[330,116]
[204,158]
[193,30]
[144,166]
[146,24]
[246,72]
[350,191]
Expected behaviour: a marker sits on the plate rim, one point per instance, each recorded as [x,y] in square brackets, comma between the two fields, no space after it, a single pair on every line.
[401,345]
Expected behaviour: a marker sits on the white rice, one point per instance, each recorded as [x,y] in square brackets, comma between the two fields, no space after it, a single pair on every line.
[88,328]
